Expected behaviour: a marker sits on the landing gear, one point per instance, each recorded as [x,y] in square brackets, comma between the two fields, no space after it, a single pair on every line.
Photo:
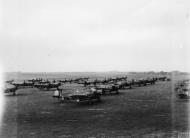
[14,93]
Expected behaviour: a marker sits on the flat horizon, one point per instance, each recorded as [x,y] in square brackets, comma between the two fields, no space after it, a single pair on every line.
[96,71]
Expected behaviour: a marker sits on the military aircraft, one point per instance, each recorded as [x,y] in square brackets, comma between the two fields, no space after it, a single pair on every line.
[123,84]
[23,84]
[163,78]
[136,82]
[47,85]
[9,81]
[78,96]
[79,80]
[150,81]
[107,89]
[10,88]
[183,89]
[65,81]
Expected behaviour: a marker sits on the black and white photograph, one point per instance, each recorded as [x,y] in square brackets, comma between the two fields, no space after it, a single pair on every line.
[94,68]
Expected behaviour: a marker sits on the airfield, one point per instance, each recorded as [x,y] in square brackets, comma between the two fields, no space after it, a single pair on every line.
[147,111]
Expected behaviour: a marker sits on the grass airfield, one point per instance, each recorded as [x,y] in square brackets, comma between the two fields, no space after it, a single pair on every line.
[148,111]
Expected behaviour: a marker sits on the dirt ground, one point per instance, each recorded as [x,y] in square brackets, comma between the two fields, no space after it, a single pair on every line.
[149,111]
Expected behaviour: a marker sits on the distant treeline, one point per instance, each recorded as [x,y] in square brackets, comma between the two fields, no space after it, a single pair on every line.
[99,73]
[161,73]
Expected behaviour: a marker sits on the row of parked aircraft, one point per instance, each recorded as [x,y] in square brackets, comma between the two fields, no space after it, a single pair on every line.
[96,88]
[92,88]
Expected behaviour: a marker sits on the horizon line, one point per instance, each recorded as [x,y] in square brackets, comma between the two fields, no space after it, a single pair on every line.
[92,71]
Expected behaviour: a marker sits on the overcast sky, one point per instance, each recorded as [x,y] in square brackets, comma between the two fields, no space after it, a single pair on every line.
[98,35]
